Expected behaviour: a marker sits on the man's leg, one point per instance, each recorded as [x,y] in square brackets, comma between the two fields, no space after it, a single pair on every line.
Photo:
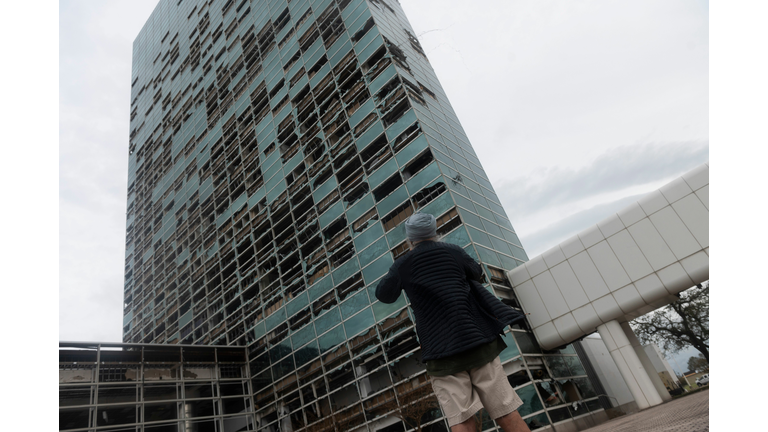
[512,422]
[458,400]
[498,397]
[468,425]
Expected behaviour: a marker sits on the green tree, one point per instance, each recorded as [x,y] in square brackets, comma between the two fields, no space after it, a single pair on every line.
[682,324]
[698,363]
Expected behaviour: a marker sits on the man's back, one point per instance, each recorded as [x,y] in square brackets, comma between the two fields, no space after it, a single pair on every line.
[458,323]
[436,276]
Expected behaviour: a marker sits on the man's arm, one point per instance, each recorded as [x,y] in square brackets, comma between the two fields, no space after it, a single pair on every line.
[389,287]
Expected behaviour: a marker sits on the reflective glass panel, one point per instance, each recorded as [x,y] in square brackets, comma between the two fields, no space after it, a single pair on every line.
[531,401]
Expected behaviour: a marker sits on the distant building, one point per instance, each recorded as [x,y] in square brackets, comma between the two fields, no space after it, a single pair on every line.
[663,368]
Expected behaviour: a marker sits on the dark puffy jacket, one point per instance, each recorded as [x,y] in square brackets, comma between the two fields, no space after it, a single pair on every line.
[452,315]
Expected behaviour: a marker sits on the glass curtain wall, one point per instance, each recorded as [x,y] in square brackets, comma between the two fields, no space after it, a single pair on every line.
[154,388]
[275,150]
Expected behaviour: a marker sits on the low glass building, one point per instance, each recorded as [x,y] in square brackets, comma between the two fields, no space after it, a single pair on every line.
[158,388]
[194,388]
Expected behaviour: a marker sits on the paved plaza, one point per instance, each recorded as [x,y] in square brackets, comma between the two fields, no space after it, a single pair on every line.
[687,414]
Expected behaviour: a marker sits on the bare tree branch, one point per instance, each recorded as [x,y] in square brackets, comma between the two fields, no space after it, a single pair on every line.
[682,324]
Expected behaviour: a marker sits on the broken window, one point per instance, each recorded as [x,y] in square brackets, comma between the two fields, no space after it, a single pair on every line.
[400,250]
[428,194]
[397,54]
[396,112]
[396,216]
[363,30]
[350,286]
[387,187]
[417,164]
[329,200]
[282,20]
[376,154]
[363,221]
[356,193]
[406,137]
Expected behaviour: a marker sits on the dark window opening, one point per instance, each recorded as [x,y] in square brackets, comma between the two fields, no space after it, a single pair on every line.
[415,92]
[308,248]
[292,61]
[314,150]
[328,201]
[428,194]
[447,222]
[400,250]
[300,319]
[497,276]
[397,54]
[342,255]
[429,92]
[387,187]
[356,193]
[322,177]
[373,65]
[309,38]
[381,3]
[396,216]
[282,20]
[346,67]
[350,286]
[365,123]
[406,137]
[376,154]
[318,65]
[280,105]
[335,228]
[415,44]
[395,113]
[417,164]
[388,88]
[363,221]
[324,303]
[360,33]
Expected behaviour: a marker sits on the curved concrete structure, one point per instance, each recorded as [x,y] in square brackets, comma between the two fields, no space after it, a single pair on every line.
[625,266]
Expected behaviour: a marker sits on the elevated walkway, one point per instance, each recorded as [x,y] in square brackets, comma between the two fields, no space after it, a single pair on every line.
[625,266]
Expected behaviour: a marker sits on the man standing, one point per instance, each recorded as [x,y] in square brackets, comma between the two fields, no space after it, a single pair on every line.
[458,323]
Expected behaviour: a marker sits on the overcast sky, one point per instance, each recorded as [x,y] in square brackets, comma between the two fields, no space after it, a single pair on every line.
[575,108]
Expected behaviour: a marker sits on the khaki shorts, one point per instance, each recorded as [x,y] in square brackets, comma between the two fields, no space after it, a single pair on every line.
[463,394]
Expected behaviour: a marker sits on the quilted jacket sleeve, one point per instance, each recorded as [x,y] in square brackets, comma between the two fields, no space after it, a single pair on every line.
[389,287]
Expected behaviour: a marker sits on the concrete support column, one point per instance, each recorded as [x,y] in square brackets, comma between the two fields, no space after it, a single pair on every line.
[661,389]
[629,365]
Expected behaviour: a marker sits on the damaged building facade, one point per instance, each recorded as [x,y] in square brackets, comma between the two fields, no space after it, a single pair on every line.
[276,147]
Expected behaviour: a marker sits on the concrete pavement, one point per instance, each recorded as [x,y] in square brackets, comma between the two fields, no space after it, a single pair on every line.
[687,414]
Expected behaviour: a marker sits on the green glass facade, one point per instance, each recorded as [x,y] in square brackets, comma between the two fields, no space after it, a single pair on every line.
[275,149]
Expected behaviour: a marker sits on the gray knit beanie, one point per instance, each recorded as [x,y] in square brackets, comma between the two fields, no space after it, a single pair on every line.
[420,226]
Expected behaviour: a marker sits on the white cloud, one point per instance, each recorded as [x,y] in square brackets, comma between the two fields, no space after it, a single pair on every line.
[554,203]
[95,69]
[558,83]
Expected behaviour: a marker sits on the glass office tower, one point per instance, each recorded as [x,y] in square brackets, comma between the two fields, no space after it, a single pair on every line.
[276,147]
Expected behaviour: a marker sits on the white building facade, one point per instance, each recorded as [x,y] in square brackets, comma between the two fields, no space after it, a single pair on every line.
[625,266]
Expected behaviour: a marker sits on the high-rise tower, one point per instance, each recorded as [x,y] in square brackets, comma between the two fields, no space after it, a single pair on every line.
[276,147]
